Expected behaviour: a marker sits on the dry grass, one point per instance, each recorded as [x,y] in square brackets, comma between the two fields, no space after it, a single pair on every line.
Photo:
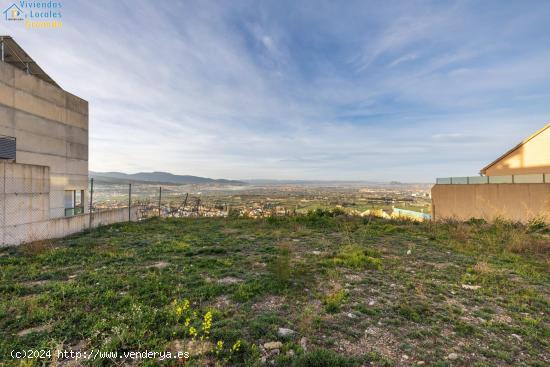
[37,247]
[483,267]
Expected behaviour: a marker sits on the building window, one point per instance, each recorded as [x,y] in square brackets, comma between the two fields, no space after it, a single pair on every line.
[74,202]
[7,147]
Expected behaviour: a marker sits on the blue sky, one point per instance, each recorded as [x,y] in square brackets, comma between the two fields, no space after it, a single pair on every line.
[302,90]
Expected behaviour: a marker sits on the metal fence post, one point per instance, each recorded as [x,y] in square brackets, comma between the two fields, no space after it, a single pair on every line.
[91,202]
[160,200]
[129,202]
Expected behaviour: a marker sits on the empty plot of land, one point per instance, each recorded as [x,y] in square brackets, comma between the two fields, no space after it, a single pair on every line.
[305,291]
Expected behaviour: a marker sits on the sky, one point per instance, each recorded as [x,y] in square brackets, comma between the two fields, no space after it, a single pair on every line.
[318,90]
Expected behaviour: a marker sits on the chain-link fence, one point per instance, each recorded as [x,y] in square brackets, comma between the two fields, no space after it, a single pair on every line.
[35,205]
[24,200]
[154,200]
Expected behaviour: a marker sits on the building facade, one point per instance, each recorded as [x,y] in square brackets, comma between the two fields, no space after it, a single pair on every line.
[43,145]
[530,156]
[516,186]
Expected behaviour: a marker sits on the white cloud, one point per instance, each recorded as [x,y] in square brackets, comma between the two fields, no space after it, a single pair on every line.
[246,91]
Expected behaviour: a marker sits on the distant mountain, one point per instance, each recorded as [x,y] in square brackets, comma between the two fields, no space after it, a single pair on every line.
[158,177]
[321,183]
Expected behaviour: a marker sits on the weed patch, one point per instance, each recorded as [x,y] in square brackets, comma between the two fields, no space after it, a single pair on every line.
[334,301]
[356,257]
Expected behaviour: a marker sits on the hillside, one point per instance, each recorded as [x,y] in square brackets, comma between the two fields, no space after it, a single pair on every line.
[315,290]
[158,178]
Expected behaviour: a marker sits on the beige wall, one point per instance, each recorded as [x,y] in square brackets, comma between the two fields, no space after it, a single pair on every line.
[531,157]
[24,193]
[516,202]
[25,208]
[60,227]
[51,128]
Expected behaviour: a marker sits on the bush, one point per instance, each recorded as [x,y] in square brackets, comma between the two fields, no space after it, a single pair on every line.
[326,213]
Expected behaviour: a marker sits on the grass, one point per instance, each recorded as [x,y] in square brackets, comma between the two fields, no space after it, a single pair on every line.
[356,291]
[356,257]
[334,301]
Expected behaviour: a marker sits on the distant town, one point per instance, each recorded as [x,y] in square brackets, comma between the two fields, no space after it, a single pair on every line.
[260,201]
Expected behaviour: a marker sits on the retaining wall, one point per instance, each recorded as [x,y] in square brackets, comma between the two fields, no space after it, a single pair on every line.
[60,227]
[519,202]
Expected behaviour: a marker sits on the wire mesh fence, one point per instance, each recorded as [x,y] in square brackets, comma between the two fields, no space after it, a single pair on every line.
[154,200]
[34,207]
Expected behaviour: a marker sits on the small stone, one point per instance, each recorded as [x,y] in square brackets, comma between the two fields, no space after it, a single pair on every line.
[408,252]
[290,353]
[473,287]
[229,280]
[371,303]
[420,363]
[263,360]
[303,343]
[404,357]
[351,316]
[273,345]
[37,329]
[392,285]
[452,356]
[284,332]
[517,337]
[275,351]
[159,265]
[316,252]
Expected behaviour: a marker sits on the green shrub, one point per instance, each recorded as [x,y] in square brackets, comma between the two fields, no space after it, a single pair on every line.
[333,302]
[464,329]
[356,257]
[416,312]
[247,291]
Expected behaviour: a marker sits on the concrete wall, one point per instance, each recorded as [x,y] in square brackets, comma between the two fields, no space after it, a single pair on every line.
[24,193]
[25,207]
[532,157]
[59,227]
[51,128]
[517,202]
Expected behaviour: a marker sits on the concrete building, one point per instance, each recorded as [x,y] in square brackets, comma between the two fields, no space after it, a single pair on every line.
[516,186]
[43,144]
[43,155]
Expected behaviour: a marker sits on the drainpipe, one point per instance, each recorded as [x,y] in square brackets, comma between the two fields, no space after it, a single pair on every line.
[2,48]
